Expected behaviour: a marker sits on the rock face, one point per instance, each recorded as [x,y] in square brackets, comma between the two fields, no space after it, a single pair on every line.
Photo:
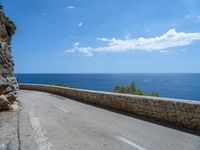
[8,82]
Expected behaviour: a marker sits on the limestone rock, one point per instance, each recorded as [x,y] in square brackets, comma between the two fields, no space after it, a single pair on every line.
[4,103]
[8,82]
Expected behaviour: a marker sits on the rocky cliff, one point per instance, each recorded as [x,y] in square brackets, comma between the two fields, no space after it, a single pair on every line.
[8,82]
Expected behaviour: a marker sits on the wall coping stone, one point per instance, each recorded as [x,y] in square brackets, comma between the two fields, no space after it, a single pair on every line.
[186,101]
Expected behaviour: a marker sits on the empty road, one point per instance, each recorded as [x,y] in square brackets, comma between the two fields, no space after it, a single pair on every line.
[51,122]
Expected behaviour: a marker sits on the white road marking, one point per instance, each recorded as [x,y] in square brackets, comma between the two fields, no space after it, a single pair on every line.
[61,108]
[130,143]
[39,134]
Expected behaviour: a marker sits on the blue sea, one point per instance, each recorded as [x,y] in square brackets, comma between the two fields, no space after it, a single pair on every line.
[184,86]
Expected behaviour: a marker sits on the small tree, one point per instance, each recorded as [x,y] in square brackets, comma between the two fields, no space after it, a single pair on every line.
[154,94]
[120,89]
[139,92]
[132,89]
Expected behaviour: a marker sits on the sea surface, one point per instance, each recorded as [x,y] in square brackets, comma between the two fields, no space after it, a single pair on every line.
[184,86]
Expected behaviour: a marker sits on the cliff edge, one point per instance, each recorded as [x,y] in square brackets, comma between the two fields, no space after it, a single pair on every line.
[8,82]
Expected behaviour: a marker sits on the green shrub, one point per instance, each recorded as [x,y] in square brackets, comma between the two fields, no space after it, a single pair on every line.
[10,26]
[154,94]
[139,92]
[59,84]
[132,89]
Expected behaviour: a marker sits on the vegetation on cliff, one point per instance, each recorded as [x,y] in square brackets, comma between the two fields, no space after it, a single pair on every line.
[9,24]
[133,89]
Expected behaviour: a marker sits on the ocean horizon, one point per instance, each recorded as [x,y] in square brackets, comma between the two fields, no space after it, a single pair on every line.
[171,85]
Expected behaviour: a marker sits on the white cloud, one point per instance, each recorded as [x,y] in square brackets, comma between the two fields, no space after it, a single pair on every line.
[164,51]
[80,24]
[76,44]
[169,39]
[71,7]
[86,50]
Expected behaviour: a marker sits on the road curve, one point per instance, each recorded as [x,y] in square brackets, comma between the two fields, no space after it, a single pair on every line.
[51,122]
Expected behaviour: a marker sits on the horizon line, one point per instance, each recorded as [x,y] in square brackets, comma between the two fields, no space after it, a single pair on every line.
[120,73]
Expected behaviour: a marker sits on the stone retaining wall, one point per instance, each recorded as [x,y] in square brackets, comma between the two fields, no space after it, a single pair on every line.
[180,112]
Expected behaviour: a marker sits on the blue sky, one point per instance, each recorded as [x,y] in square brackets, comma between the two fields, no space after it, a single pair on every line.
[105,36]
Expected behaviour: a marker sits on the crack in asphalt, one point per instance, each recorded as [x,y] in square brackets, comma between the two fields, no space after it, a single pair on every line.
[18,131]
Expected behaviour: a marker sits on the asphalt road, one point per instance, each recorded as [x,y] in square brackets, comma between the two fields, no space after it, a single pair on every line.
[49,121]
